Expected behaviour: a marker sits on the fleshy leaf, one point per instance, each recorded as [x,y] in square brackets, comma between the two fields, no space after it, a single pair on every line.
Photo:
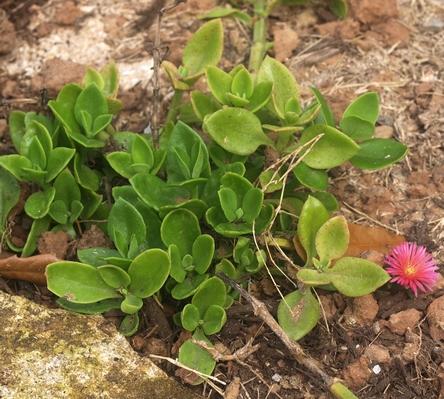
[148,272]
[298,314]
[357,277]
[236,130]
[331,150]
[313,216]
[378,153]
[332,239]
[78,282]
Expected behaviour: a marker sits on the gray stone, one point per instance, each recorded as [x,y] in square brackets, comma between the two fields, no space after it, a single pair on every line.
[46,353]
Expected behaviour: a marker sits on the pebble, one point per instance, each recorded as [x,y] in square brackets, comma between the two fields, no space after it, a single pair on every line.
[433,25]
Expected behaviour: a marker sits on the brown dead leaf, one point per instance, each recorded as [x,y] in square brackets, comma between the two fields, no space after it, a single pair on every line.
[362,239]
[30,269]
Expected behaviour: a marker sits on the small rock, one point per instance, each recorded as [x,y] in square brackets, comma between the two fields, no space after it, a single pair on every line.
[7,34]
[433,25]
[373,11]
[399,322]
[54,243]
[384,132]
[357,373]
[361,310]
[68,14]
[57,73]
[378,354]
[435,318]
[285,41]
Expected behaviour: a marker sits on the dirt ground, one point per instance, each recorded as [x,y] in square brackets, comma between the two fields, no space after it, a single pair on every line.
[384,345]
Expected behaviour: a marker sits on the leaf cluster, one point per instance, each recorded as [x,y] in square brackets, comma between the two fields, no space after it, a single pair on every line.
[195,203]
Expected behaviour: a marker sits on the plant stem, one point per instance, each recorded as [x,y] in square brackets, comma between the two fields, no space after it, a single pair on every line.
[258,49]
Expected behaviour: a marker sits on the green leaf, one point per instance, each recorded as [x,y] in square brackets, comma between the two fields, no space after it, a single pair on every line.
[126,219]
[285,85]
[331,150]
[252,204]
[36,154]
[190,317]
[195,357]
[63,108]
[90,101]
[326,116]
[313,216]
[188,287]
[237,101]
[9,196]
[332,239]
[204,47]
[129,325]
[378,153]
[313,278]
[260,97]
[340,9]
[16,165]
[93,76]
[131,304]
[110,75]
[357,128]
[177,271]
[203,104]
[17,128]
[316,179]
[227,12]
[37,205]
[90,308]
[357,277]
[211,292]
[148,272]
[203,251]
[142,152]
[122,163]
[214,319]
[59,211]
[187,155]
[95,256]
[38,227]
[114,276]
[181,228]
[242,84]
[58,159]
[67,189]
[236,130]
[365,107]
[86,177]
[298,314]
[78,283]
[228,202]
[219,83]
[100,123]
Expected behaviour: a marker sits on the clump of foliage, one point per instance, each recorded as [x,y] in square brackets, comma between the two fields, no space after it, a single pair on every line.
[183,208]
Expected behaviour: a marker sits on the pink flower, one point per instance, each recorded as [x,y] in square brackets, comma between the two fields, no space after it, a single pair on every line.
[411,266]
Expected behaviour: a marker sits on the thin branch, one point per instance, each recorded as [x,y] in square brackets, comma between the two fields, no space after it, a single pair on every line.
[294,348]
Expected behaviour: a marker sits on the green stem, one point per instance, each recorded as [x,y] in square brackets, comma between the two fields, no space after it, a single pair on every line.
[262,9]
[258,49]
[175,104]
